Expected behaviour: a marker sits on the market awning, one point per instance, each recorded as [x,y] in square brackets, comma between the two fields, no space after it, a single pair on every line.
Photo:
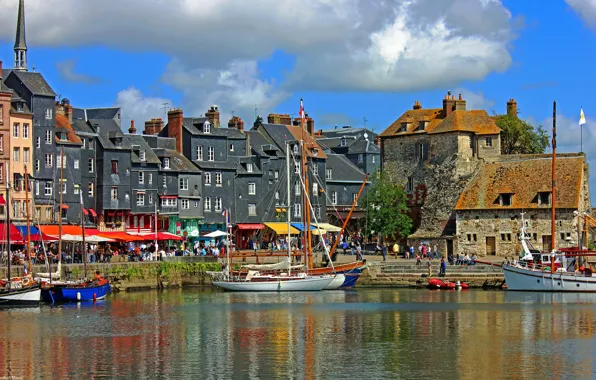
[85,211]
[64,206]
[301,226]
[93,213]
[14,234]
[250,226]
[122,236]
[280,209]
[53,230]
[327,227]
[281,228]
[2,200]
[161,236]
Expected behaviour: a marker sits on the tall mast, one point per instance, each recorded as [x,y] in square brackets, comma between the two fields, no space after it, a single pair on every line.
[554,188]
[28,224]
[60,206]
[156,249]
[8,226]
[83,231]
[288,208]
[305,199]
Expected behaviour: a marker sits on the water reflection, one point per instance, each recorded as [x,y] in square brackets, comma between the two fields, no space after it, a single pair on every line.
[355,334]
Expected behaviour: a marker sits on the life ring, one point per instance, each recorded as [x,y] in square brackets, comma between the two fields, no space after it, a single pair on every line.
[27,281]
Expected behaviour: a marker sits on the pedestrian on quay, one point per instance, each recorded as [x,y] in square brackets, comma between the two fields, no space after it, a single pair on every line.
[430,268]
[443,269]
[411,255]
[395,249]
[384,251]
[359,251]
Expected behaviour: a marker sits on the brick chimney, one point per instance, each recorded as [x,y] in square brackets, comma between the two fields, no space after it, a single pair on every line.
[451,104]
[512,107]
[153,126]
[175,121]
[279,118]
[310,125]
[64,108]
[132,130]
[213,116]
[417,105]
[237,123]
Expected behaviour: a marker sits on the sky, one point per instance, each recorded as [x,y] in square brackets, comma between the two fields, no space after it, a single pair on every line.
[354,62]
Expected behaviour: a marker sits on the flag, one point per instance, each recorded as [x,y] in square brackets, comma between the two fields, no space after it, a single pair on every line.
[223,213]
[302,114]
[582,118]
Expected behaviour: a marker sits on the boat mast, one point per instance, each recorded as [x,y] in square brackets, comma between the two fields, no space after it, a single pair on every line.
[28,224]
[305,199]
[84,243]
[288,208]
[60,210]
[8,227]
[554,189]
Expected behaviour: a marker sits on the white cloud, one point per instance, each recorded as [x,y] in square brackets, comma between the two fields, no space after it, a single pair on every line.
[475,100]
[67,70]
[586,10]
[338,45]
[139,107]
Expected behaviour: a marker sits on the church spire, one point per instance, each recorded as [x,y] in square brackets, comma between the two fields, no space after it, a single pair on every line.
[20,44]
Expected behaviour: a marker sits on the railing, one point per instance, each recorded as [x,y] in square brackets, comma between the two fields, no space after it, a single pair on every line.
[103,227]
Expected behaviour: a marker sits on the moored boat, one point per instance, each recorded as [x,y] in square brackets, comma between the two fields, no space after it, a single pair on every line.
[70,292]
[20,295]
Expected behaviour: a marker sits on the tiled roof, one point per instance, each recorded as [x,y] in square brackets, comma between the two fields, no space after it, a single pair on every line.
[524,176]
[476,121]
[313,149]
[62,122]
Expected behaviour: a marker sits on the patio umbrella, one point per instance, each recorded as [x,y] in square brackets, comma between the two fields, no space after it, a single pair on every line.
[215,234]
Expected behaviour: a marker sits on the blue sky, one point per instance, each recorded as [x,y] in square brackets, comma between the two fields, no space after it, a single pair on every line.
[349,60]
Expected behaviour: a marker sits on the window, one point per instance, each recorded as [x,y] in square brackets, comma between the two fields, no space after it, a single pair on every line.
[276,176]
[48,114]
[48,137]
[114,167]
[472,237]
[334,197]
[63,182]
[38,142]
[296,208]
[420,151]
[207,204]
[208,179]
[1,171]
[315,189]
[196,204]
[150,178]
[90,189]
[16,153]
[48,213]
[114,192]
[60,161]
[354,197]
[84,143]
[296,148]
[296,167]
[1,113]
[315,168]
[76,189]
[403,127]
[329,174]
[343,142]
[252,188]
[140,199]
[49,160]
[410,185]
[489,141]
[276,194]
[47,189]
[200,153]
[373,159]
[36,187]
[91,165]
[218,179]
[249,168]
[231,147]
[183,183]
[91,144]
[25,131]
[297,188]
[150,199]
[506,199]
[76,164]
[506,237]
[15,130]
[217,203]
[252,209]
[185,204]
[1,143]
[37,165]
[142,155]
[360,158]
[211,153]
[207,127]
[166,163]
[318,211]
[544,198]
[141,178]
[165,181]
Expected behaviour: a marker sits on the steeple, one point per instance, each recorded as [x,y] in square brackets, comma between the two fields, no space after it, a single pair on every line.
[20,44]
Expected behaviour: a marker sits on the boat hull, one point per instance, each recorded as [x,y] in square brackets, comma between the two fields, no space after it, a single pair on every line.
[522,279]
[351,278]
[287,285]
[337,282]
[75,293]
[21,297]
[352,272]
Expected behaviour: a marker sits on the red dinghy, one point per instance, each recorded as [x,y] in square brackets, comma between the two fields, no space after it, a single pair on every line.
[435,283]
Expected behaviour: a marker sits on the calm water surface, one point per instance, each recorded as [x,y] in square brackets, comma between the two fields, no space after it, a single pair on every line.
[361,334]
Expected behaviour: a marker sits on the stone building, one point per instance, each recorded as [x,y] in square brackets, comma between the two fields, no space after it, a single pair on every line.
[488,212]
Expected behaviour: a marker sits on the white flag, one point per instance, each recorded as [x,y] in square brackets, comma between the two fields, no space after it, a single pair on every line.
[582,118]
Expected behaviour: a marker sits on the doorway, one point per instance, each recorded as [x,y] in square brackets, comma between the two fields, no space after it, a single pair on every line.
[547,243]
[491,246]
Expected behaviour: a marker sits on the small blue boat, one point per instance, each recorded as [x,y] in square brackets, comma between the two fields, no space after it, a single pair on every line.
[76,293]
[351,278]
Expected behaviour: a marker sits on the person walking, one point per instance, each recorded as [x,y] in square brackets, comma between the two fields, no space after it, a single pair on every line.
[384,251]
[443,269]
[430,268]
[395,249]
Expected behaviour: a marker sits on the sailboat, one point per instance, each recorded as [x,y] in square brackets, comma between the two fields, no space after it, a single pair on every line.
[283,279]
[548,272]
[17,291]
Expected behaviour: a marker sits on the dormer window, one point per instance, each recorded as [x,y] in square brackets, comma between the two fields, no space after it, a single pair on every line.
[142,155]
[403,127]
[422,125]
[207,127]
[49,114]
[249,168]
[20,107]
[544,198]
[63,136]
[506,199]
[166,163]
[118,141]
[343,142]
[296,148]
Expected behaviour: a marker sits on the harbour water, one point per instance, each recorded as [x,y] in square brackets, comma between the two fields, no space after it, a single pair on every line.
[375,334]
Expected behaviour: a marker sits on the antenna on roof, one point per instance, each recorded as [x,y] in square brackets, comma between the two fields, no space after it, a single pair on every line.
[33,68]
[165,107]
[365,120]
[256,111]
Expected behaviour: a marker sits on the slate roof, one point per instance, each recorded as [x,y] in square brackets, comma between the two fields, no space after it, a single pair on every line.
[262,146]
[180,163]
[194,125]
[109,129]
[353,144]
[217,165]
[34,81]
[63,123]
[524,176]
[241,167]
[280,134]
[342,131]
[150,156]
[476,121]
[343,169]
[80,125]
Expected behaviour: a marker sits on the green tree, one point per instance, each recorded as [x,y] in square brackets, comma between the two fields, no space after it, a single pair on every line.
[387,208]
[520,137]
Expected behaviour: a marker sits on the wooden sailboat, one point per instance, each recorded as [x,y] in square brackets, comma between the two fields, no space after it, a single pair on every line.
[554,271]
[18,291]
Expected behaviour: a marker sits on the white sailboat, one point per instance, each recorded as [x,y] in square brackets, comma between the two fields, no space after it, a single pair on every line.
[547,272]
[285,281]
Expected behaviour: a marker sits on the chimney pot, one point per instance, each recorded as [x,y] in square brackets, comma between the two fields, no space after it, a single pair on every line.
[459,96]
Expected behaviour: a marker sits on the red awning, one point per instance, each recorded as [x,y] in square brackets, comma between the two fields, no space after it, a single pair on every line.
[63,206]
[93,213]
[85,211]
[161,236]
[250,226]
[121,235]
[53,230]
[2,200]
[14,234]
[168,196]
